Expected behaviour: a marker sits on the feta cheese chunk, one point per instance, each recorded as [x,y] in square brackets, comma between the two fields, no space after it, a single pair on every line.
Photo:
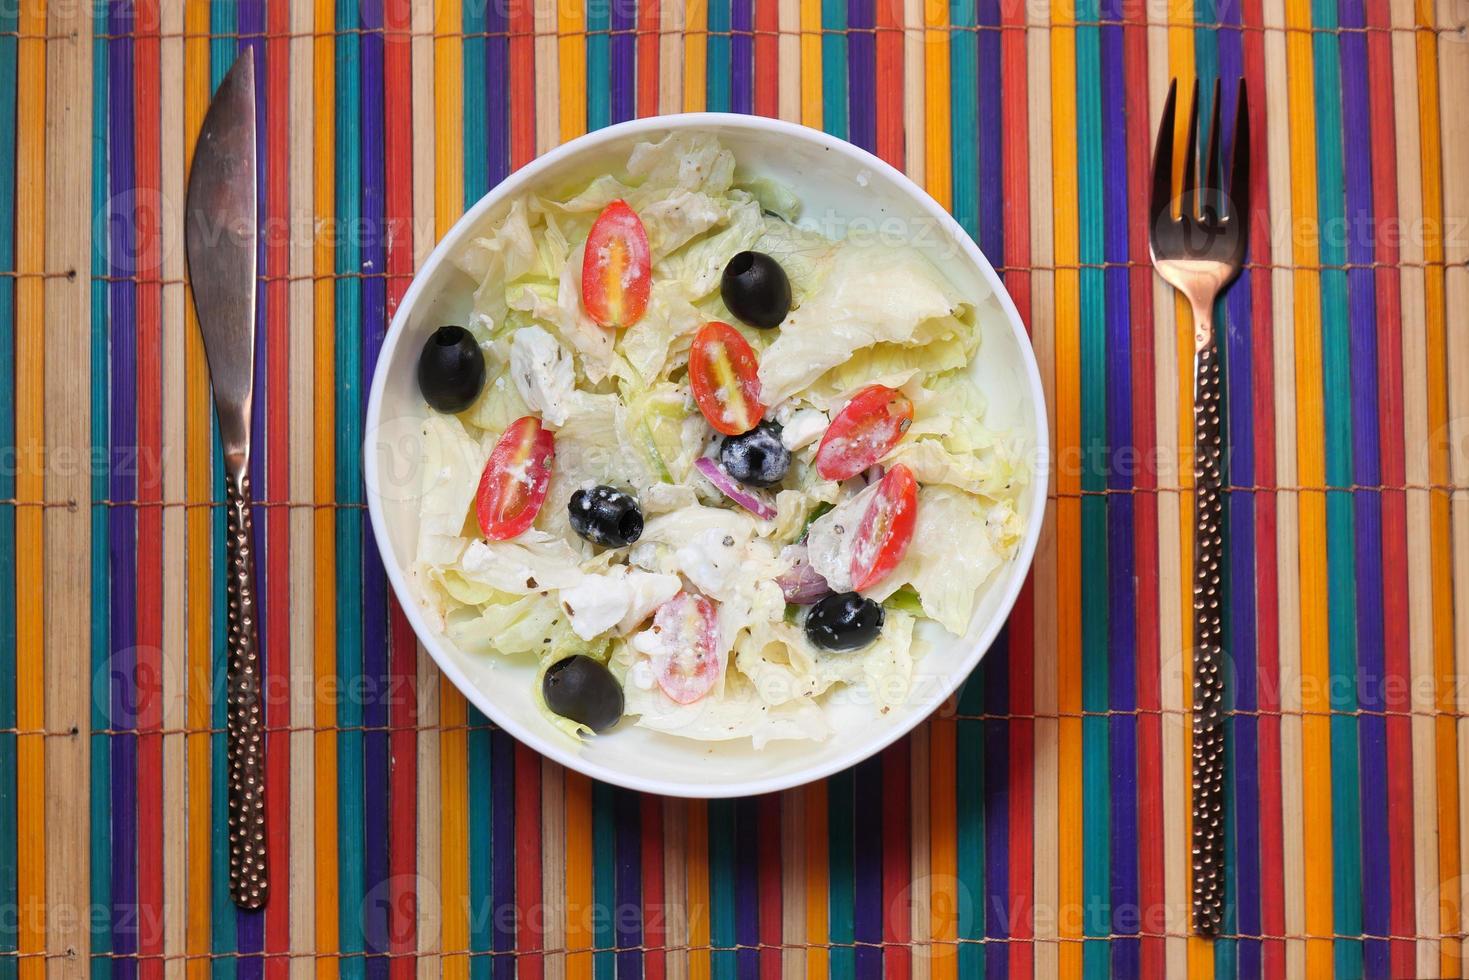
[617,599]
[805,426]
[543,374]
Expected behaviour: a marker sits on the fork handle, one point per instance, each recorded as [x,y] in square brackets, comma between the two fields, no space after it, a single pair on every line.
[1208,668]
[244,719]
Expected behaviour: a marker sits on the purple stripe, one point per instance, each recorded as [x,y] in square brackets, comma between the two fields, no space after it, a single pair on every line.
[991,160]
[1361,314]
[624,66]
[747,885]
[373,259]
[497,91]
[998,917]
[1121,600]
[250,926]
[742,55]
[628,910]
[867,845]
[862,73]
[502,872]
[122,318]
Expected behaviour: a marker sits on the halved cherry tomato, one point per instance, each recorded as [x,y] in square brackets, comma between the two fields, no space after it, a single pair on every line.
[687,661]
[725,377]
[514,483]
[863,432]
[886,528]
[617,267]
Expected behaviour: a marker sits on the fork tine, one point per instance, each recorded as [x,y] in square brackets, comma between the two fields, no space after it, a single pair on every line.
[1160,207]
[1189,204]
[1211,181]
[1239,167]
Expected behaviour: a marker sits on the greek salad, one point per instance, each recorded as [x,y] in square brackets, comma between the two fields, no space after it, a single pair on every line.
[707,466]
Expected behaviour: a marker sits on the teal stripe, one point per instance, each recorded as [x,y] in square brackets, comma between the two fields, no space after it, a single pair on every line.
[717,56]
[840,885]
[604,879]
[1096,768]
[969,820]
[964,115]
[223,938]
[481,793]
[1346,817]
[834,67]
[101,757]
[722,875]
[350,772]
[599,65]
[9,855]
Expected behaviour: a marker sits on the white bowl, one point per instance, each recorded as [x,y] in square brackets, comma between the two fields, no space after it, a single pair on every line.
[844,190]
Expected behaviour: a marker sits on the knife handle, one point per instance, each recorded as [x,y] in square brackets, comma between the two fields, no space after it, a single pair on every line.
[1208,654]
[245,717]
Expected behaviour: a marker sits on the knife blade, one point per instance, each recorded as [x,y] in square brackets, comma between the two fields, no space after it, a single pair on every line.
[221,234]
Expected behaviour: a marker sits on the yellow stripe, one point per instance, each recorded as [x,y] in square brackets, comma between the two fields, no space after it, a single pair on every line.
[579,927]
[30,439]
[1315,665]
[199,543]
[943,860]
[811,63]
[324,478]
[937,169]
[695,53]
[1441,555]
[697,855]
[1068,509]
[817,872]
[573,61]
[453,710]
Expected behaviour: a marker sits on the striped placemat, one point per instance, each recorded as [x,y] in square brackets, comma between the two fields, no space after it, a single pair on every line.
[1038,826]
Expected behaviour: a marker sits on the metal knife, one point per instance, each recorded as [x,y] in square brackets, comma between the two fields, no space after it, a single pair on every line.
[221,234]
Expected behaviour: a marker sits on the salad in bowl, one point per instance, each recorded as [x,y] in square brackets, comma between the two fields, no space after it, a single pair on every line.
[708,468]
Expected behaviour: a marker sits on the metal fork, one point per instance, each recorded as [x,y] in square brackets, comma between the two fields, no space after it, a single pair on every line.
[1199,252]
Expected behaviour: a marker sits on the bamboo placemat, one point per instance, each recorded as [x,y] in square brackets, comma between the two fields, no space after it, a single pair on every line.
[1039,824]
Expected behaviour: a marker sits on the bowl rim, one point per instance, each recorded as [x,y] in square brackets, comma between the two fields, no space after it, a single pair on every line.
[520,181]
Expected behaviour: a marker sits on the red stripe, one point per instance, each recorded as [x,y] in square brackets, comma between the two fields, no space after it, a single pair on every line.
[278,487]
[897,869]
[1267,614]
[649,16]
[522,23]
[1145,521]
[888,42]
[767,57]
[530,938]
[771,871]
[1015,118]
[403,646]
[1394,503]
[655,914]
[149,674]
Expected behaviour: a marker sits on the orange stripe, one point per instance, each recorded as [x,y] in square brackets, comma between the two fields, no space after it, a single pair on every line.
[324,474]
[938,180]
[579,933]
[817,870]
[572,56]
[943,860]
[30,439]
[811,63]
[698,888]
[695,54]
[199,539]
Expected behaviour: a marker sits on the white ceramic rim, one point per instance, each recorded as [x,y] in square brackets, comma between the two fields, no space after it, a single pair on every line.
[522,180]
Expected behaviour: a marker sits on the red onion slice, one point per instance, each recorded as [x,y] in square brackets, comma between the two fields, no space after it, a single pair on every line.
[801,585]
[731,488]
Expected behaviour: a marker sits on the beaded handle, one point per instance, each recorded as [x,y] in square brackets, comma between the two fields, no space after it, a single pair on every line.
[245,724]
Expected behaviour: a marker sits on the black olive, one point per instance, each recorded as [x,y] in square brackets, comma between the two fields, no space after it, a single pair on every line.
[583,690]
[756,290]
[451,369]
[757,458]
[844,622]
[605,516]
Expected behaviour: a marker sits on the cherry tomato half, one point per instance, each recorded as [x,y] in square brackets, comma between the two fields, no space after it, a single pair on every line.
[725,377]
[863,432]
[687,663]
[617,267]
[886,528]
[514,483]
